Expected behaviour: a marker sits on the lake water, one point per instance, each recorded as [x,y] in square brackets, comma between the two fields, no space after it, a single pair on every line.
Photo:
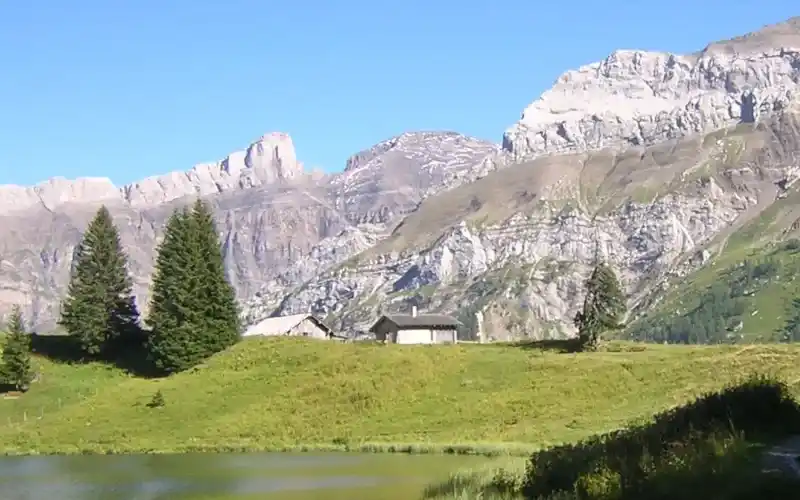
[278,476]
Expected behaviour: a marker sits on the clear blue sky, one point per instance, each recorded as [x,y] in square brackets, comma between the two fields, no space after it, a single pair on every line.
[130,88]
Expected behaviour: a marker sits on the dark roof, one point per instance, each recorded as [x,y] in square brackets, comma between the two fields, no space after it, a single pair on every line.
[420,320]
[321,324]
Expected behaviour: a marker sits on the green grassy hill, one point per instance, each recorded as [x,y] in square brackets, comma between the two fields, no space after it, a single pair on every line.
[290,393]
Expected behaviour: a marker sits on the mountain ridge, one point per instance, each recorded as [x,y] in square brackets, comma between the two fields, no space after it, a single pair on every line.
[269,159]
[457,224]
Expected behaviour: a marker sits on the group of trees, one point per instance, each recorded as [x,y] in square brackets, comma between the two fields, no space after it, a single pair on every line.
[716,314]
[193,310]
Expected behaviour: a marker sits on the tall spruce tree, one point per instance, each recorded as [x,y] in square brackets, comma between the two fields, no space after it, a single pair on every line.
[193,311]
[603,309]
[16,369]
[169,344]
[99,311]
[220,311]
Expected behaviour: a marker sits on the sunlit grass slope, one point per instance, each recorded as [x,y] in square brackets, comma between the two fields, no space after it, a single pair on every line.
[290,393]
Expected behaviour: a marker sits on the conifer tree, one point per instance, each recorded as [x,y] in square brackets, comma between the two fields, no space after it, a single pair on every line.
[99,311]
[193,313]
[17,370]
[219,310]
[169,344]
[603,309]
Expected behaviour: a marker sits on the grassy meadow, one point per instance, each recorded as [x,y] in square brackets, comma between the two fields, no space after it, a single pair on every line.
[294,394]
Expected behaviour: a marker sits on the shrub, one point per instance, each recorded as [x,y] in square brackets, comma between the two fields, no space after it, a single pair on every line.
[158,400]
[616,464]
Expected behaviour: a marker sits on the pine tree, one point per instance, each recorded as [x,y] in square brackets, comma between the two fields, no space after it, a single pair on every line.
[219,310]
[99,311]
[603,307]
[193,312]
[17,370]
[169,345]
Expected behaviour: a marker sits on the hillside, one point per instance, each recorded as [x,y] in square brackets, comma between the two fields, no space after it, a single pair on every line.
[517,243]
[286,393]
[659,162]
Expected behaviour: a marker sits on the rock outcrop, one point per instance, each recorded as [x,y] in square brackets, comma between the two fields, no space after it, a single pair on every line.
[640,98]
[651,160]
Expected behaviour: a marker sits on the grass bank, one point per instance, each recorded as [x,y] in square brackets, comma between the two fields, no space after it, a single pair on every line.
[711,448]
[293,394]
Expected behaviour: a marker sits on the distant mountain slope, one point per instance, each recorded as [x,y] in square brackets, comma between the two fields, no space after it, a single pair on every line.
[658,162]
[516,244]
[660,158]
[271,213]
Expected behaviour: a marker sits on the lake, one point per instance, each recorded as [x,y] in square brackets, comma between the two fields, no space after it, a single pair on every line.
[208,476]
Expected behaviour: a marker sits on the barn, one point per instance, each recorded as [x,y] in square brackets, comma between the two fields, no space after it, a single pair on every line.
[297,325]
[416,328]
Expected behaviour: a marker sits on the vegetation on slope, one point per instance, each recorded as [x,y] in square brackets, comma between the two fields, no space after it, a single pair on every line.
[710,448]
[291,393]
[746,296]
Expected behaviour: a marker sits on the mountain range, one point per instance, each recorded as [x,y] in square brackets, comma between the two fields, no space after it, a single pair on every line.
[663,164]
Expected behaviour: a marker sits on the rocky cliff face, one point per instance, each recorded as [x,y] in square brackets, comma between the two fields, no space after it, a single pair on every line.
[278,224]
[640,98]
[517,244]
[655,161]
[659,158]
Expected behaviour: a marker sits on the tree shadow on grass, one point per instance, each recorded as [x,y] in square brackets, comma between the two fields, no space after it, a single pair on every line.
[561,346]
[56,348]
[62,349]
[134,360]
[682,453]
[9,390]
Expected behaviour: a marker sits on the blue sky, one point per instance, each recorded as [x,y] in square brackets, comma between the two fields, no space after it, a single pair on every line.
[131,88]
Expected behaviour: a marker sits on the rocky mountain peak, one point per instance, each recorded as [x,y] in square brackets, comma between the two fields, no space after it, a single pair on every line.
[637,97]
[268,160]
[404,140]
[389,179]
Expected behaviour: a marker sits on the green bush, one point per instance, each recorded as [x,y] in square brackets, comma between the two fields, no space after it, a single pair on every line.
[500,479]
[686,441]
[158,400]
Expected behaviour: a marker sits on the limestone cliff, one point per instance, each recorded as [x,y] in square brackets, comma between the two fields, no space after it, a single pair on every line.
[639,98]
[517,243]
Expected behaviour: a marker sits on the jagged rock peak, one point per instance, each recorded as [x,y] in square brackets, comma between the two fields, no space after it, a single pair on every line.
[637,97]
[412,139]
[269,159]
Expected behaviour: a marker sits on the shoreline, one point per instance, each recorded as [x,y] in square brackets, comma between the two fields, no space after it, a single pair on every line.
[489,450]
